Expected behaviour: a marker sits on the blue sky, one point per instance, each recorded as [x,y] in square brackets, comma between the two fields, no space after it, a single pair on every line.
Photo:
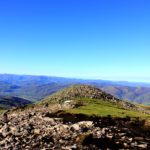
[76,38]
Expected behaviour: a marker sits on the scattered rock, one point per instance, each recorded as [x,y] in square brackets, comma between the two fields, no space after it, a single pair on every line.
[35,129]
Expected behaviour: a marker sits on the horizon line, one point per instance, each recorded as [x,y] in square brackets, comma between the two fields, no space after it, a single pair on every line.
[113,78]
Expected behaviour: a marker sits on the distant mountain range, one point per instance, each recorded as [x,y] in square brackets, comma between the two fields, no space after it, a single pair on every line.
[35,88]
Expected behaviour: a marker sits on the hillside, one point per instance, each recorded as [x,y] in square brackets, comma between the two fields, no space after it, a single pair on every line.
[10,102]
[88,96]
[78,117]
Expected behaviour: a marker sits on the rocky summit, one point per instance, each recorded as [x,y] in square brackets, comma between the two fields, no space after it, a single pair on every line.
[79,91]
[71,94]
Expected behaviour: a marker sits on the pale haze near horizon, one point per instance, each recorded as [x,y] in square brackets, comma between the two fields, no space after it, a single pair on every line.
[81,39]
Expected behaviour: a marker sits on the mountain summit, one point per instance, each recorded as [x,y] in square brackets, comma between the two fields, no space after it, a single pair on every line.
[75,93]
[79,91]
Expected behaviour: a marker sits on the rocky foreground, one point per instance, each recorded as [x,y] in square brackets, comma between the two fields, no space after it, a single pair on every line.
[40,129]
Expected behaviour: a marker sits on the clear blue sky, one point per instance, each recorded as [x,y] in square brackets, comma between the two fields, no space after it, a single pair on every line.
[107,39]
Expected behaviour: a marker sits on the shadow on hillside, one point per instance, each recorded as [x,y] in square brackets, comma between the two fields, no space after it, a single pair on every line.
[133,127]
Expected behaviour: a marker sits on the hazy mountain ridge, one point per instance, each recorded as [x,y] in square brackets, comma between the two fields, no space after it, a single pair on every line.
[37,87]
[133,94]
[10,102]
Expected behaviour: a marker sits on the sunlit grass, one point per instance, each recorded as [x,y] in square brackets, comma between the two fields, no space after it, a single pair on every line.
[104,108]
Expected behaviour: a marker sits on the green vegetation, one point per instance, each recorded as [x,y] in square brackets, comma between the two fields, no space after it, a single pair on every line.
[2,110]
[146,107]
[104,108]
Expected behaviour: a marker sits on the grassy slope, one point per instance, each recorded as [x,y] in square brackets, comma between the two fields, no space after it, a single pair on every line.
[147,107]
[1,111]
[104,108]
